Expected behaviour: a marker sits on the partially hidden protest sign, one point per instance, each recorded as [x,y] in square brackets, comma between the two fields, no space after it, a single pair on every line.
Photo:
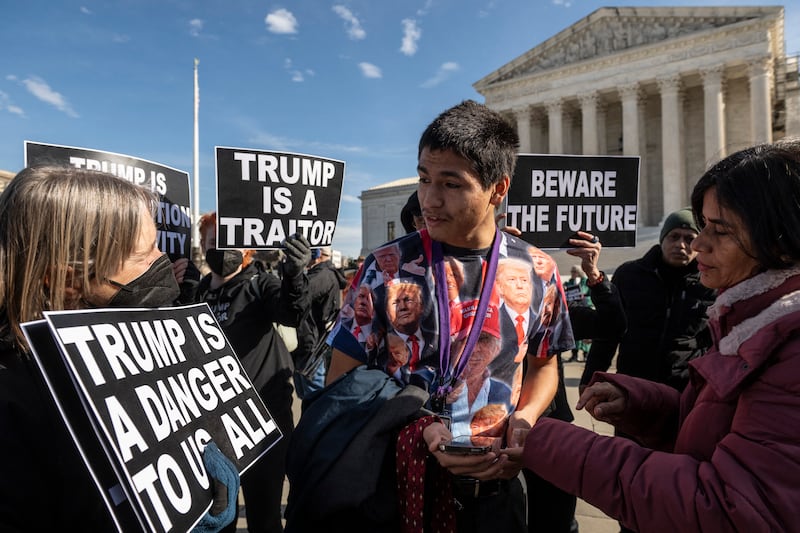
[142,392]
[264,197]
[173,219]
[553,196]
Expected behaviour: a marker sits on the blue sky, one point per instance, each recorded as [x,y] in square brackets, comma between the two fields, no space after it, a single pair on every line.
[354,80]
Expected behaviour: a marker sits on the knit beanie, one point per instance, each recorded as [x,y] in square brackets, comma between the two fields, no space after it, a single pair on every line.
[681,218]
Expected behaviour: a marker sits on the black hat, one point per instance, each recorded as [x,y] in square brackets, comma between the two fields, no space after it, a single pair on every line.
[409,211]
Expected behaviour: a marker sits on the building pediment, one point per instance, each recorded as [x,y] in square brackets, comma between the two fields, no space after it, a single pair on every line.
[612,30]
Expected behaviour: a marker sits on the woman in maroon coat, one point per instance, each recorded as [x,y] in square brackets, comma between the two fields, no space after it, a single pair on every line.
[724,455]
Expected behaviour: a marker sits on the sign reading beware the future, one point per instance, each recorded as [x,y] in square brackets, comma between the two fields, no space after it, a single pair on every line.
[553,196]
[142,392]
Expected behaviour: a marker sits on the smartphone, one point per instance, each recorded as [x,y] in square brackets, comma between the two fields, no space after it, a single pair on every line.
[464,447]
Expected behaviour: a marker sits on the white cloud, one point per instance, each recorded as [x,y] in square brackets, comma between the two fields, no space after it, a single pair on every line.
[41,90]
[195,27]
[369,70]
[444,73]
[424,10]
[298,75]
[85,10]
[120,38]
[6,105]
[353,25]
[565,3]
[281,21]
[258,137]
[411,36]
[347,239]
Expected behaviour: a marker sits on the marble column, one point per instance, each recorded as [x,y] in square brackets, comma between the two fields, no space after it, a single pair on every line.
[672,156]
[631,98]
[523,116]
[589,116]
[538,119]
[760,117]
[568,122]
[602,136]
[714,113]
[555,121]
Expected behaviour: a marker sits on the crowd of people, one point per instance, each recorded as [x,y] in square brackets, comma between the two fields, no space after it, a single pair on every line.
[438,359]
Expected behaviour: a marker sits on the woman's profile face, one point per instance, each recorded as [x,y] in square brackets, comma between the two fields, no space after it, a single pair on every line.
[144,254]
[723,247]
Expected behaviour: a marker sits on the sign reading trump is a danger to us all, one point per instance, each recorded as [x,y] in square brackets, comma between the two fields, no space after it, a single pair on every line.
[264,197]
[143,391]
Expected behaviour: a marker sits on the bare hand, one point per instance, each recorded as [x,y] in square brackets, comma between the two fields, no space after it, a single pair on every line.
[588,249]
[179,268]
[484,467]
[511,230]
[604,401]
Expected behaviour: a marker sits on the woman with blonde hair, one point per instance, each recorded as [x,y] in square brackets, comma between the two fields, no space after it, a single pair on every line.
[69,239]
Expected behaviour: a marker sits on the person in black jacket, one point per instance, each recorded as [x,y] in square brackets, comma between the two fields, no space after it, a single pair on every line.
[666,309]
[311,357]
[554,509]
[246,301]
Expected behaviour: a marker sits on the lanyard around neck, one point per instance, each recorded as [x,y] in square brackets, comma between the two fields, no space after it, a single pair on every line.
[448,375]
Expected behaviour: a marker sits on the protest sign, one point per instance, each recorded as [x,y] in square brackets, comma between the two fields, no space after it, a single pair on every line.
[553,196]
[174,216]
[264,197]
[142,392]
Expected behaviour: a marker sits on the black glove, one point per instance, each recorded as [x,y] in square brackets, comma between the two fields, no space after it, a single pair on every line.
[225,485]
[298,255]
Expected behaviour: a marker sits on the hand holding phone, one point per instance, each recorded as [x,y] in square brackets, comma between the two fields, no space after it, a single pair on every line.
[467,446]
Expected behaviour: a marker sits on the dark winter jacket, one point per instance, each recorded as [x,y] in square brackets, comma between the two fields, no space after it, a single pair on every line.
[325,284]
[606,319]
[340,463]
[664,307]
[724,456]
[45,485]
[245,307]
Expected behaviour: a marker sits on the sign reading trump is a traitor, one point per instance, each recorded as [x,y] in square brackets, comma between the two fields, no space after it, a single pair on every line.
[173,218]
[554,196]
[142,392]
[264,197]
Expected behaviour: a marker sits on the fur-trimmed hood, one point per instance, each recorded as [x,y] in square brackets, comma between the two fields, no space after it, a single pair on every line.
[750,288]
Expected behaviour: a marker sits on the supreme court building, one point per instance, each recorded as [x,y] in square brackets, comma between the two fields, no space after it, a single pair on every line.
[680,87]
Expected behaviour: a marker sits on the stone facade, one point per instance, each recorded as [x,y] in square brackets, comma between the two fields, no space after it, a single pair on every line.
[380,212]
[681,87]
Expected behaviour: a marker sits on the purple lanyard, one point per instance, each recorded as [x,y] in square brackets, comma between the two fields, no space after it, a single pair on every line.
[448,376]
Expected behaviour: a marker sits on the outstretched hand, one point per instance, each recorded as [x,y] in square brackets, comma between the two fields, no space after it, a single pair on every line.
[604,401]
[298,254]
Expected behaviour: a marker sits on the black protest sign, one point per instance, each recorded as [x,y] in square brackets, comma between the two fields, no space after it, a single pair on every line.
[157,385]
[553,196]
[264,197]
[174,216]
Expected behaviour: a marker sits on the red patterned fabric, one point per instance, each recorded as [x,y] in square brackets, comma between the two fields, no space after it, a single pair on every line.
[412,453]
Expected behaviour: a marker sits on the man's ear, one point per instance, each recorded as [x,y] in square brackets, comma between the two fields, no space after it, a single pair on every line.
[499,191]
